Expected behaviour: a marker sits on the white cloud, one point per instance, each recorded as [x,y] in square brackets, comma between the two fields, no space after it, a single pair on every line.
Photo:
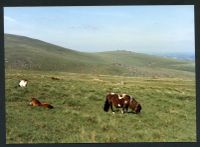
[7,18]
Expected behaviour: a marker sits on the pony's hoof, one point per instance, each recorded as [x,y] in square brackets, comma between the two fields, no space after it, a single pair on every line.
[113,112]
[122,112]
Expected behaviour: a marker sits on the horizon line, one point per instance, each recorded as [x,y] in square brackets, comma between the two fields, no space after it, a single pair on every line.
[149,53]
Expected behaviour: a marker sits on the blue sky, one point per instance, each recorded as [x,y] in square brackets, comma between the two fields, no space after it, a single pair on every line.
[147,29]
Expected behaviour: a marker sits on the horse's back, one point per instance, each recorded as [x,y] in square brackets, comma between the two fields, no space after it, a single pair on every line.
[114,99]
[35,102]
[112,96]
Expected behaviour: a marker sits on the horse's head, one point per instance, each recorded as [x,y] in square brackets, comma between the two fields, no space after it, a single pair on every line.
[138,108]
[30,103]
[34,102]
[135,106]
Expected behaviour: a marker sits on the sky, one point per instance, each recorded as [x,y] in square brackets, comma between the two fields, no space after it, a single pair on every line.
[145,29]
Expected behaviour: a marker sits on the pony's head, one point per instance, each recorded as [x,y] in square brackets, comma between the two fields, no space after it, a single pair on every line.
[135,106]
[31,102]
[34,102]
[138,108]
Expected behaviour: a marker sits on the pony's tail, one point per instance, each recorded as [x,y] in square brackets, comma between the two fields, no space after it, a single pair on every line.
[106,105]
[47,105]
[50,107]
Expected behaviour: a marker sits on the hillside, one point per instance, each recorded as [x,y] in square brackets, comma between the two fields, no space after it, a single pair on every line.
[27,53]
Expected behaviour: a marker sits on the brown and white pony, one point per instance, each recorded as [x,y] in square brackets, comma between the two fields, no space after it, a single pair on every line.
[123,101]
[35,102]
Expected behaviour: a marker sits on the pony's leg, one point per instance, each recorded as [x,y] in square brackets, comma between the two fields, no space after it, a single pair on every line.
[111,106]
[126,108]
[123,109]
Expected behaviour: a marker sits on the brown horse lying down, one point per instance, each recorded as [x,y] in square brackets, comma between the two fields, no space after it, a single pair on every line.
[54,78]
[35,102]
[123,101]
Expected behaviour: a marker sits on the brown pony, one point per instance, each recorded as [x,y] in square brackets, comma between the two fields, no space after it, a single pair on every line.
[123,101]
[54,78]
[35,102]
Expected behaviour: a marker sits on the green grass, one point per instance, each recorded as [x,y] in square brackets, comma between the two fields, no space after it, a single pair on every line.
[31,54]
[168,109]
[164,87]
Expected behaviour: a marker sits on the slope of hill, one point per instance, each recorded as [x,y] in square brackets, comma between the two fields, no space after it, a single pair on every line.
[143,60]
[27,53]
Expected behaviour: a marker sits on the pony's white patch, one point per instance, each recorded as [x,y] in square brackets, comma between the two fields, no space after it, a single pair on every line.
[22,83]
[112,93]
[125,102]
[113,112]
[131,99]
[118,105]
[121,97]
[122,111]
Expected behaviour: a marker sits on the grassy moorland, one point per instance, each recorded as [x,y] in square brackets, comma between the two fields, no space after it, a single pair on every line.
[164,87]
[32,54]
[168,114]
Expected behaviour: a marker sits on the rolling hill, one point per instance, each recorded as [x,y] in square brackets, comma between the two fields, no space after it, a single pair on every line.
[32,54]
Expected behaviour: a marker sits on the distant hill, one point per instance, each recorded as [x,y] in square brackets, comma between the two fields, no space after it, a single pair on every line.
[32,54]
[179,56]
